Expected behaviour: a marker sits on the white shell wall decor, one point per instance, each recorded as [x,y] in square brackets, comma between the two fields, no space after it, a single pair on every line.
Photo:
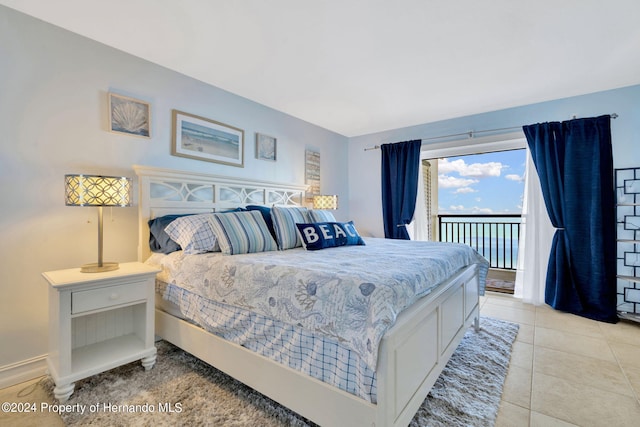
[129,116]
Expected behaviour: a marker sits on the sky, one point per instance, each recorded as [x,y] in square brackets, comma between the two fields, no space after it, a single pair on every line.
[491,183]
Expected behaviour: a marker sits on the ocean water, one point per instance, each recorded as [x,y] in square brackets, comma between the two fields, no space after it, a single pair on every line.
[210,141]
[496,241]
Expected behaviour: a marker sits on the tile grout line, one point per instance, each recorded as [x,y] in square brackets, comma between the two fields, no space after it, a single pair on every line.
[636,394]
[533,364]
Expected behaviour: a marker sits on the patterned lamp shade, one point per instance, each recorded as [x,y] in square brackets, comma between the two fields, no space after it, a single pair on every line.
[325,202]
[96,190]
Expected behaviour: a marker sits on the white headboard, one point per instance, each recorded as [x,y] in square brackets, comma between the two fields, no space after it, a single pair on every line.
[166,191]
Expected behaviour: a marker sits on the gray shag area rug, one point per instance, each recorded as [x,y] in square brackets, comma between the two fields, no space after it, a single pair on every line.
[181,390]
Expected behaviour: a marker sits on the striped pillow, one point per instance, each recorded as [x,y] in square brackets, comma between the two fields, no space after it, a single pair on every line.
[242,233]
[319,215]
[284,224]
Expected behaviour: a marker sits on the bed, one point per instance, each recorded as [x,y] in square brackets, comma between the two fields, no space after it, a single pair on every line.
[407,356]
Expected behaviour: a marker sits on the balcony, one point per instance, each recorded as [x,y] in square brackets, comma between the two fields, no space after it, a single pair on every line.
[494,236]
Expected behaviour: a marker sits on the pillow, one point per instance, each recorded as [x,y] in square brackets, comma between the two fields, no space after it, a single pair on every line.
[321,235]
[266,215]
[242,232]
[194,234]
[159,240]
[284,224]
[319,215]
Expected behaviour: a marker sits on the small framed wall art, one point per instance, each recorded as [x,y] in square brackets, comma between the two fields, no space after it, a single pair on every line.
[312,175]
[266,147]
[129,116]
[205,139]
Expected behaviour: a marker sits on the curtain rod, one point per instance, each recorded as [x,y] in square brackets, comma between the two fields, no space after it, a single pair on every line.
[471,133]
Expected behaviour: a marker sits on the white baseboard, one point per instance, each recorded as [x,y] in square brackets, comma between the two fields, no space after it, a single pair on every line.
[22,371]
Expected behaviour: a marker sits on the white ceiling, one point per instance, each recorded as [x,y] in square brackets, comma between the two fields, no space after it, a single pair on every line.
[363,66]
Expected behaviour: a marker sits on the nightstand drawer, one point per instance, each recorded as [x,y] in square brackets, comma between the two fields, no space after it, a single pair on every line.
[95,299]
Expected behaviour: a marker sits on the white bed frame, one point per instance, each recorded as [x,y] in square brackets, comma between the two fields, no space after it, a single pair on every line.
[412,353]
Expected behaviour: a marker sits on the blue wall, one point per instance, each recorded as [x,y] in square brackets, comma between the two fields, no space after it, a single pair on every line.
[364,166]
[54,120]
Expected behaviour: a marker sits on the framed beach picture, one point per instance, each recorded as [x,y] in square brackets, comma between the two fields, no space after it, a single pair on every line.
[129,116]
[266,147]
[204,139]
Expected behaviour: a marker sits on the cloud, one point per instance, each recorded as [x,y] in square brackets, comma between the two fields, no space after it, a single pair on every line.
[465,190]
[479,170]
[473,210]
[514,177]
[447,181]
[477,210]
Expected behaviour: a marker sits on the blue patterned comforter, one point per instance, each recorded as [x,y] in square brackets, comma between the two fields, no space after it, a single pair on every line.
[350,293]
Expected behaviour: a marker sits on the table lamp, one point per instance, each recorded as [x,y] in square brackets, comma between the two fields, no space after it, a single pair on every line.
[325,202]
[99,191]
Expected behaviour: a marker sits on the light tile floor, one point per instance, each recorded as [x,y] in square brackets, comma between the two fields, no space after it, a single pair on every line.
[29,393]
[565,371]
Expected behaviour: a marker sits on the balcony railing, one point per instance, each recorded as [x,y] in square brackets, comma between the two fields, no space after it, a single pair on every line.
[494,236]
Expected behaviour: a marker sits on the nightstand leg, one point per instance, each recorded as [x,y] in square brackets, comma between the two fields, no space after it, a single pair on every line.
[63,392]
[149,361]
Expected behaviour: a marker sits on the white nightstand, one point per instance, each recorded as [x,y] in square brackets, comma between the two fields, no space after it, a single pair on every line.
[98,321]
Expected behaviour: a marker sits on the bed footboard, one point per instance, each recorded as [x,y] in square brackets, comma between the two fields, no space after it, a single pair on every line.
[415,351]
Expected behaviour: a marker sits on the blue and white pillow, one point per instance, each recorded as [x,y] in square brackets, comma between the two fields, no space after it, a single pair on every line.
[321,235]
[194,234]
[242,232]
[320,215]
[284,224]
[266,215]
[159,240]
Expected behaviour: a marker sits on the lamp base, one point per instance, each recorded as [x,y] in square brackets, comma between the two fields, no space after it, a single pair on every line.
[97,268]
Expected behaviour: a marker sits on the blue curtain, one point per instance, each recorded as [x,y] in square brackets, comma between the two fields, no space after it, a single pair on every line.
[575,164]
[400,164]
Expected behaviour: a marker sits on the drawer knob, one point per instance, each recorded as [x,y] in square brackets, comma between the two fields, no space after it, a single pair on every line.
[114,296]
